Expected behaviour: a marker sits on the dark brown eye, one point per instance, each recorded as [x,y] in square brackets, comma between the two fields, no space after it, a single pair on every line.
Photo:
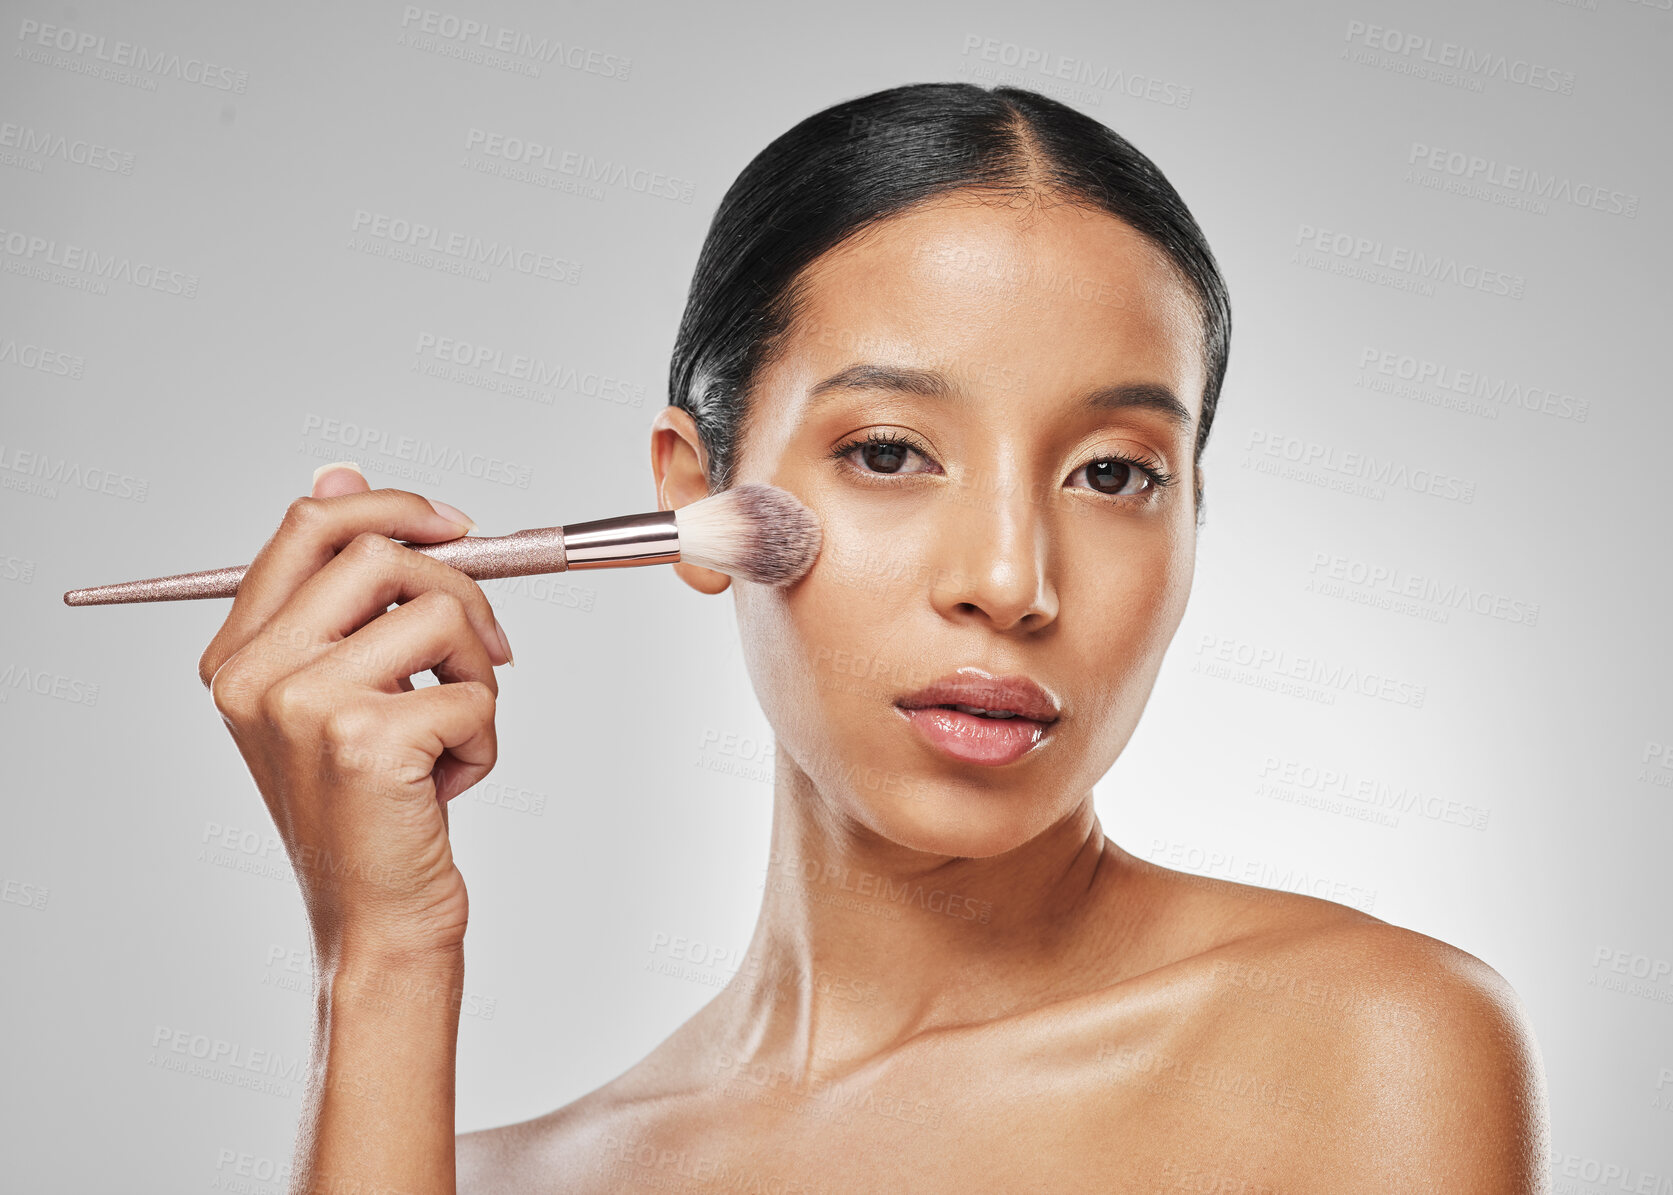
[1118,477]
[883,456]
[1110,477]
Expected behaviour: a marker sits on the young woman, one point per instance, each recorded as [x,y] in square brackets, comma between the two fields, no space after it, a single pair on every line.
[982,338]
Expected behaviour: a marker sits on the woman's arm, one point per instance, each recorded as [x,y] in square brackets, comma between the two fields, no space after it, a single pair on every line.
[312,675]
[378,1114]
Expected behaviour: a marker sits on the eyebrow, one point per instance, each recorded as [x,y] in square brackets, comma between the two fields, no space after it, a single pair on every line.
[930,383]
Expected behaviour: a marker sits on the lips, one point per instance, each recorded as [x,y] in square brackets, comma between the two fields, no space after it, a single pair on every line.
[1015,694]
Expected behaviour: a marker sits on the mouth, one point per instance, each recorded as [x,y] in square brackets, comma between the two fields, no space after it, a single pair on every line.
[977,718]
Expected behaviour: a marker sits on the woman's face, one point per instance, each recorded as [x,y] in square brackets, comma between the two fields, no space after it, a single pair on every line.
[997,527]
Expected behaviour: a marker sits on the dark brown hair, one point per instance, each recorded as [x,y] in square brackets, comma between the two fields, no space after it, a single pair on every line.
[864,160]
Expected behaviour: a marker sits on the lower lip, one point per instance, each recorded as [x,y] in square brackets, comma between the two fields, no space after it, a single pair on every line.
[974,739]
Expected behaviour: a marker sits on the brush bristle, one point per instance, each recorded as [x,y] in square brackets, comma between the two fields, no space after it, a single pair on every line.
[753,531]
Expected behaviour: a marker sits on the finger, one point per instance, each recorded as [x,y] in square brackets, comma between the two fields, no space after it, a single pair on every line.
[339,478]
[355,589]
[312,532]
[451,726]
[430,632]
[457,721]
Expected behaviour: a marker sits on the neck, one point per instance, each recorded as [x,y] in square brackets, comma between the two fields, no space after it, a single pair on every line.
[863,943]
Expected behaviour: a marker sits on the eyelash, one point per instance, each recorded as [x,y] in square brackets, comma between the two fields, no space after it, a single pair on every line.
[1160,478]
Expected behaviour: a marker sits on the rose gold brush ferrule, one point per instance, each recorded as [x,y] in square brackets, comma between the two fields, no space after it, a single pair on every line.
[621,542]
[652,538]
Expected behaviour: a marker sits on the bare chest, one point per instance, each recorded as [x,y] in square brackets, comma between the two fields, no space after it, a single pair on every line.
[1124,1116]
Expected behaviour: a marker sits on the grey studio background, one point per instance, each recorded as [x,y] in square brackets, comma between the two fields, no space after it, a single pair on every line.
[1425,666]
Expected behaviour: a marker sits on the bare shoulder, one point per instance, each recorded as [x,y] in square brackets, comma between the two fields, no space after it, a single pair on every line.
[555,1152]
[1393,1059]
[589,1143]
[512,1157]
[1437,1069]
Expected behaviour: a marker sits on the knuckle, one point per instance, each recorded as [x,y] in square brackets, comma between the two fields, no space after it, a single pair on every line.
[286,702]
[367,553]
[303,515]
[229,689]
[208,664]
[349,740]
[484,696]
[475,600]
[368,544]
[444,603]
[345,726]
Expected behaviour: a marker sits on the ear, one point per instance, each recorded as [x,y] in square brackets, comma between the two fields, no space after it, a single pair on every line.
[680,464]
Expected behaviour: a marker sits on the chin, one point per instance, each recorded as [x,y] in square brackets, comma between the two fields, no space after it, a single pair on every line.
[941,816]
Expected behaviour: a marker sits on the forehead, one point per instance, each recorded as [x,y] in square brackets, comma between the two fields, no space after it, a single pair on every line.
[1050,297]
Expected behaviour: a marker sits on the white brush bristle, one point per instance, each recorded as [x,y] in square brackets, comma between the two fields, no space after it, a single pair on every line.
[757,532]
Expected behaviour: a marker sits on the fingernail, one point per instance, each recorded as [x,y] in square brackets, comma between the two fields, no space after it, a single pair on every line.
[504,642]
[336,465]
[454,515]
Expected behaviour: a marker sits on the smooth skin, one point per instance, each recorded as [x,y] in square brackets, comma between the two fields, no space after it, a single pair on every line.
[956,982]
[356,767]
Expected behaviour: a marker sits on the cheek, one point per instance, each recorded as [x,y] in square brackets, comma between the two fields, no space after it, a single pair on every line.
[1121,583]
[1133,603]
[871,546]
[841,637]
[854,603]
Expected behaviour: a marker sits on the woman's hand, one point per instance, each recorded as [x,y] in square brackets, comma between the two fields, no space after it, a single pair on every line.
[356,766]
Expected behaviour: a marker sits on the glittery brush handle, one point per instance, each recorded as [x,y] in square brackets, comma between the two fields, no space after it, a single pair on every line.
[601,543]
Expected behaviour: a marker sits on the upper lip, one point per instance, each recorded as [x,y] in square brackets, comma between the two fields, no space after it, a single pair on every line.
[971,686]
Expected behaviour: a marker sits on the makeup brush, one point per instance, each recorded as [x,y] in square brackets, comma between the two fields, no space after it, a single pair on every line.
[756,532]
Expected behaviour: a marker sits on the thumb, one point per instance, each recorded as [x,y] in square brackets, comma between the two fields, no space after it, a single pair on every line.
[338,478]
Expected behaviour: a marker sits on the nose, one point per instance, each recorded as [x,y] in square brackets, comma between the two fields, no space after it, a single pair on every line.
[994,557]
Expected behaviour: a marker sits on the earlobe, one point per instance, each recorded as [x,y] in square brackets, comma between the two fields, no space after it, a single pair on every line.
[703,580]
[679,467]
